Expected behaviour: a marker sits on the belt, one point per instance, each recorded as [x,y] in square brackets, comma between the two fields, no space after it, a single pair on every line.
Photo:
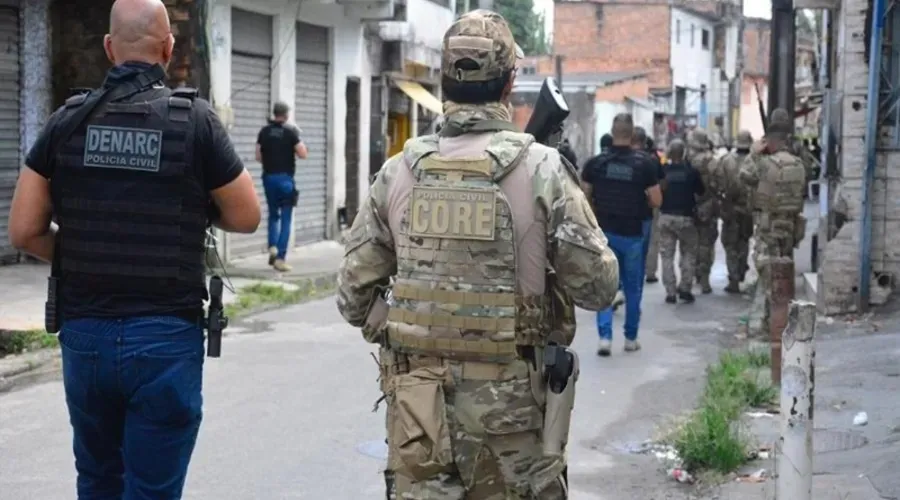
[472,370]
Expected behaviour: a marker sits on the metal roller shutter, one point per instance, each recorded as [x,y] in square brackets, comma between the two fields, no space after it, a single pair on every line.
[251,88]
[9,122]
[311,115]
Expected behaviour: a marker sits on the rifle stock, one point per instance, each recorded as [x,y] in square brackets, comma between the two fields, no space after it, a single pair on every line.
[550,110]
[762,108]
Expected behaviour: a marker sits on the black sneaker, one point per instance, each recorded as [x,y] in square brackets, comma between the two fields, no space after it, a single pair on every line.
[652,279]
[686,297]
[670,299]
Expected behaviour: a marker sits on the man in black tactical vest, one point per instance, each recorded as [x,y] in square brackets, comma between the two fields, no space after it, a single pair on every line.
[676,223]
[622,184]
[130,172]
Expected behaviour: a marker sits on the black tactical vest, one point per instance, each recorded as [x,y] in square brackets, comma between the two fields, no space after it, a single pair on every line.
[129,202]
[619,189]
[679,196]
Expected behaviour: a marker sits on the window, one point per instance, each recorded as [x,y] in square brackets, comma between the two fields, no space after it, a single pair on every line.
[692,36]
[678,31]
[529,70]
[704,39]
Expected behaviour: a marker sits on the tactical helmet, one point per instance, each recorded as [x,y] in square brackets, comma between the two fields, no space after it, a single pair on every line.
[698,139]
[744,140]
[779,122]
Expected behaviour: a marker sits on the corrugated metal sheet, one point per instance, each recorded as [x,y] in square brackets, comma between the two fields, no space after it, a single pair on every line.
[9,121]
[251,85]
[313,43]
[311,115]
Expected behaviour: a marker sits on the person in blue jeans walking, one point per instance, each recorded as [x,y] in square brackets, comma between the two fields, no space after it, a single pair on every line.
[276,146]
[621,184]
[133,193]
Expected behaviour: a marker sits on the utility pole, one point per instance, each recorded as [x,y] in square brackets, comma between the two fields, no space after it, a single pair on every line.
[558,62]
[738,85]
[782,57]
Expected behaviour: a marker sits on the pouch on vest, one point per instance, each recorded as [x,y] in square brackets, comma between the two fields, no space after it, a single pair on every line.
[799,230]
[419,445]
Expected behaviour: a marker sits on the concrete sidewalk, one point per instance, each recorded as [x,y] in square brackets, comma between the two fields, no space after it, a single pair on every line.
[23,287]
[856,371]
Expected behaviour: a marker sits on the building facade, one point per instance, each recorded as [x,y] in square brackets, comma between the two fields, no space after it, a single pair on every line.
[243,56]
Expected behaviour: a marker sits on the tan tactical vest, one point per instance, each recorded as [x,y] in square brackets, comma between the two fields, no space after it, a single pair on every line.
[455,294]
[781,186]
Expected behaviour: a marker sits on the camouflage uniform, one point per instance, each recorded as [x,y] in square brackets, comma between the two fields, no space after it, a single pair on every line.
[779,180]
[737,219]
[701,158]
[470,306]
[679,232]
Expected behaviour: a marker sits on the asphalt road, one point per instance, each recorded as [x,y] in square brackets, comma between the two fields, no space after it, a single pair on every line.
[288,409]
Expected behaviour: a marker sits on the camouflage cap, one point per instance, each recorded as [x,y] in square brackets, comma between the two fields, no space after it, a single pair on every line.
[779,122]
[698,139]
[744,140]
[484,37]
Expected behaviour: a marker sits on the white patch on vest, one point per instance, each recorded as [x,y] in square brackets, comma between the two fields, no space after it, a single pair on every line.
[123,148]
[452,213]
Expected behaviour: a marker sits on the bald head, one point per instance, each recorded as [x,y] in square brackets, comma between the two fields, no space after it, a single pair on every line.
[139,30]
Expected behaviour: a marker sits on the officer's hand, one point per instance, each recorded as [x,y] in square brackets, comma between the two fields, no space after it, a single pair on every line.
[759,146]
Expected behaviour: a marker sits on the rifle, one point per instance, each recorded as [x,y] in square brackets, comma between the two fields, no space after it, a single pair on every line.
[550,110]
[762,108]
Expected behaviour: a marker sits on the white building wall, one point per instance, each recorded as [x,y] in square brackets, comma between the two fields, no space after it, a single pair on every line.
[427,23]
[692,64]
[348,58]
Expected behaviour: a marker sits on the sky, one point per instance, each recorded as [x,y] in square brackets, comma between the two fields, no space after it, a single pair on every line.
[752,8]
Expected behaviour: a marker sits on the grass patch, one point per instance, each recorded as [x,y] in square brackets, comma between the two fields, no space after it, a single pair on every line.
[712,438]
[261,294]
[17,342]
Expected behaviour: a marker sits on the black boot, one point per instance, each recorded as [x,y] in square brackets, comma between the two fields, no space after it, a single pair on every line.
[686,297]
[733,286]
[670,299]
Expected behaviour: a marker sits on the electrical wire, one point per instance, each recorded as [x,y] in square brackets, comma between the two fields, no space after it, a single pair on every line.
[276,61]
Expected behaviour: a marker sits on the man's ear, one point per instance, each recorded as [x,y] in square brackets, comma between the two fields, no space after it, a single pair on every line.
[107,47]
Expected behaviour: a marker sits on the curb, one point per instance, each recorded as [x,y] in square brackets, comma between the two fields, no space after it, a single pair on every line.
[17,367]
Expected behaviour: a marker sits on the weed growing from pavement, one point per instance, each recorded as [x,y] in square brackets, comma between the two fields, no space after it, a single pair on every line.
[259,294]
[712,438]
[17,342]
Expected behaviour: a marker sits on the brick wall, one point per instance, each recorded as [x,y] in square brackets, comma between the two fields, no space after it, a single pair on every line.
[610,37]
[756,47]
[80,61]
[617,92]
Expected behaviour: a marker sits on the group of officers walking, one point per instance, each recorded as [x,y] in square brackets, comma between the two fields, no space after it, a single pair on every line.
[756,189]
[464,264]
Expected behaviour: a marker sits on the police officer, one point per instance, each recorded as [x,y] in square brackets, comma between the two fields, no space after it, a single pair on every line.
[737,220]
[677,230]
[701,158]
[623,185]
[276,146]
[779,180]
[640,142]
[605,143]
[130,192]
[468,311]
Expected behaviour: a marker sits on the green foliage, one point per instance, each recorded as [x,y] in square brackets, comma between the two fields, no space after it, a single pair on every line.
[527,26]
[711,440]
[16,342]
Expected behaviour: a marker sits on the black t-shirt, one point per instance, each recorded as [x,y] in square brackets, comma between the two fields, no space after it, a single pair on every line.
[277,142]
[656,165]
[217,164]
[684,184]
[647,174]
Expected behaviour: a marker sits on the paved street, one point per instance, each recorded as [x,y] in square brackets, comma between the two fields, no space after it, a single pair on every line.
[288,409]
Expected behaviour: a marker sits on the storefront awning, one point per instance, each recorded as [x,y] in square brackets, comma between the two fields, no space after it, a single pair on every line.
[417,93]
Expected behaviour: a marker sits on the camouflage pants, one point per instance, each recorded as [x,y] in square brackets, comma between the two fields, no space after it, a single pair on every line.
[653,251]
[681,231]
[492,424]
[707,233]
[736,233]
[764,251]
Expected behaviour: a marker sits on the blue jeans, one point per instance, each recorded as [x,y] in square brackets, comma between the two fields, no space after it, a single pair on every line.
[279,193]
[629,252]
[646,227]
[133,388]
